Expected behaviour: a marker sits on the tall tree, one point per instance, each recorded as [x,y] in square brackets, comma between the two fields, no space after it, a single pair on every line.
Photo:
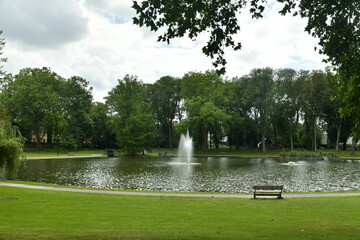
[314,99]
[102,136]
[2,59]
[287,102]
[31,96]
[260,95]
[78,98]
[133,121]
[204,98]
[164,97]
[237,108]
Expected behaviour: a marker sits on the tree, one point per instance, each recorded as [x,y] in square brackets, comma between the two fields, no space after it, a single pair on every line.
[287,103]
[77,99]
[2,43]
[11,149]
[31,97]
[314,100]
[133,121]
[260,96]
[164,97]
[204,118]
[102,136]
[237,109]
[204,102]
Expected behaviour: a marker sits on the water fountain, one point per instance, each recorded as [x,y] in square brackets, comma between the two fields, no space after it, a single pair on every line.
[185,151]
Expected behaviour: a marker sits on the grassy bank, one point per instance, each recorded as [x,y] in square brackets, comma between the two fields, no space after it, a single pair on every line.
[31,153]
[34,153]
[39,214]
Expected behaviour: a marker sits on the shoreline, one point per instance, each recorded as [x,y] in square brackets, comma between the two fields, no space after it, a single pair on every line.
[224,155]
[172,194]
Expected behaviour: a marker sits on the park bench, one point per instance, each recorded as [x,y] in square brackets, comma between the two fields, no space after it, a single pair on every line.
[268,191]
[110,152]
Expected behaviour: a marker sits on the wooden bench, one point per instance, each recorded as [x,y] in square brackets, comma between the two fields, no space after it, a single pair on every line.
[268,191]
[110,152]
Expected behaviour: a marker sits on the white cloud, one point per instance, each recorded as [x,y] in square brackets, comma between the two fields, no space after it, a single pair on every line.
[103,45]
[42,24]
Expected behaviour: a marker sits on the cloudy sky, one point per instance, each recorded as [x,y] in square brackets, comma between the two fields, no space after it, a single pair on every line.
[95,39]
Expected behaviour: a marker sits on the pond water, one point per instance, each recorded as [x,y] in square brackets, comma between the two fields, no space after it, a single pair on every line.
[205,174]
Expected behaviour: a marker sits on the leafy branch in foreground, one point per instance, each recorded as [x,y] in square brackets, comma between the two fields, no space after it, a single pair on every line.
[11,149]
[2,43]
[334,23]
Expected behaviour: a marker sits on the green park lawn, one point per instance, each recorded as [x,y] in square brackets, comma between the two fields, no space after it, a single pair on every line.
[45,152]
[41,214]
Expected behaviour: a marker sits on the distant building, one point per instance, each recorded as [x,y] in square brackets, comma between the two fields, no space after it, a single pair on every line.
[43,136]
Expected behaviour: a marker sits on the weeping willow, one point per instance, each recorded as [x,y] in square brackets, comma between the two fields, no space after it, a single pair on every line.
[11,150]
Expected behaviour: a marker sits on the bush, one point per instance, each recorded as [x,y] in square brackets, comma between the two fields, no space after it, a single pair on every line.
[306,154]
[11,149]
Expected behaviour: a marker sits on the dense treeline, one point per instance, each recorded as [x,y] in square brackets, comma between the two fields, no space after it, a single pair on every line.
[264,109]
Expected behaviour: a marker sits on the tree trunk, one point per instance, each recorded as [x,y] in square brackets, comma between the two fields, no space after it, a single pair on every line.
[263,142]
[49,138]
[353,147]
[210,141]
[315,143]
[338,137]
[206,145]
[291,141]
[170,134]
[237,144]
[37,135]
[77,136]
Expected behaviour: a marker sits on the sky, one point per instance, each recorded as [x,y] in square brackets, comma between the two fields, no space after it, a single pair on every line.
[96,40]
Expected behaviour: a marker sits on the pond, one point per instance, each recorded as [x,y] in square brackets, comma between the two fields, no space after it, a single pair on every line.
[205,174]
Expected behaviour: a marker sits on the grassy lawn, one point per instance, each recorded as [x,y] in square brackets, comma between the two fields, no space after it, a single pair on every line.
[40,214]
[62,152]
[223,151]
[249,153]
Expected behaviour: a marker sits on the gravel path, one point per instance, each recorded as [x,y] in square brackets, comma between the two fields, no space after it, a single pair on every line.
[164,194]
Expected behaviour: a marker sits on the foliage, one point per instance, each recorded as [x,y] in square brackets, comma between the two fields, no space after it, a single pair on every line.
[204,97]
[102,136]
[132,118]
[306,154]
[11,149]
[335,24]
[283,108]
[78,98]
[183,18]
[259,96]
[165,100]
[2,59]
[31,97]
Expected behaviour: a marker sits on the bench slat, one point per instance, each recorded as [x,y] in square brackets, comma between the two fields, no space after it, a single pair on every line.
[268,191]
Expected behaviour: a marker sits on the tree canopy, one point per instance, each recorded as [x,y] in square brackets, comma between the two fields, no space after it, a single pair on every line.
[2,59]
[334,23]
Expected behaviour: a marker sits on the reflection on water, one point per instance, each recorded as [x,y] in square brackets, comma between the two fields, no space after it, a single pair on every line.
[207,174]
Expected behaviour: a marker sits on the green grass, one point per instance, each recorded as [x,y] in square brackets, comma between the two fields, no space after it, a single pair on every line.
[40,214]
[307,154]
[219,152]
[61,152]
[213,152]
